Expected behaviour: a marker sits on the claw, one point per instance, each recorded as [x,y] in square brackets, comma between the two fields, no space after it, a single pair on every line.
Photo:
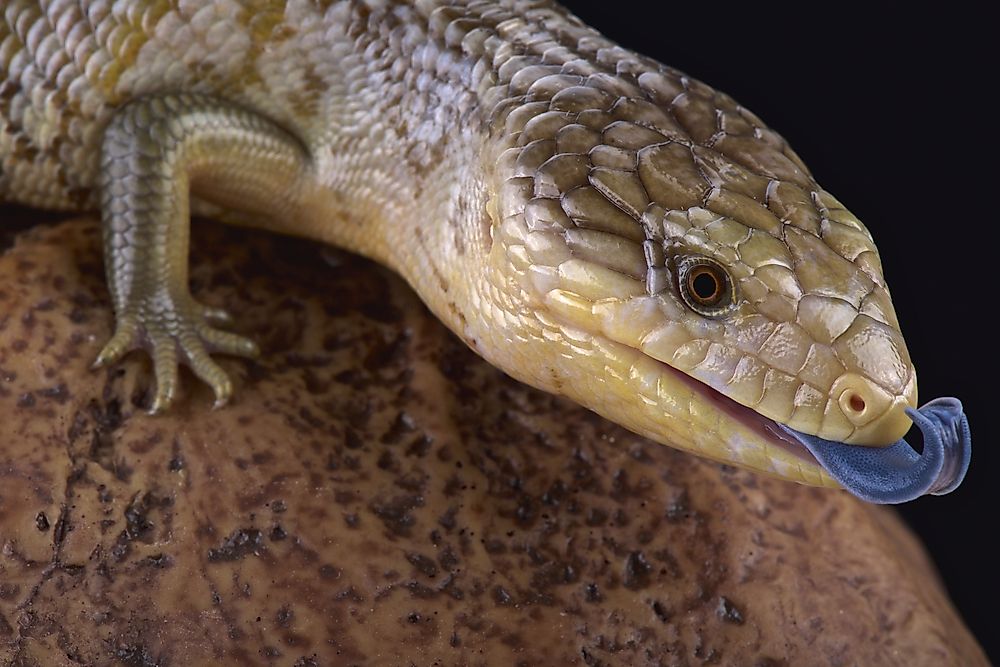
[223,389]
[222,399]
[118,346]
[160,404]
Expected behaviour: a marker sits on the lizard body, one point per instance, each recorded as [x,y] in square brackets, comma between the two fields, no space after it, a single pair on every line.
[592,222]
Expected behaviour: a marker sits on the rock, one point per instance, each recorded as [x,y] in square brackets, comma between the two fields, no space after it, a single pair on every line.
[376,494]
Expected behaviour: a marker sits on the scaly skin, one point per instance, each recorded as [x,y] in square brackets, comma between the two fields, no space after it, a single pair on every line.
[540,187]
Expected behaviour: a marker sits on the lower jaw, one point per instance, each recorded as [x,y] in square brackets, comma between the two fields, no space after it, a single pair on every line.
[763,427]
[651,398]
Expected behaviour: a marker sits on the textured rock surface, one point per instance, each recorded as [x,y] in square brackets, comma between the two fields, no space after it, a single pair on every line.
[378,495]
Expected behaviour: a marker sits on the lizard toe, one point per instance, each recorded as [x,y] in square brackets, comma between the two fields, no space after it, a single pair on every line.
[121,342]
[164,354]
[224,342]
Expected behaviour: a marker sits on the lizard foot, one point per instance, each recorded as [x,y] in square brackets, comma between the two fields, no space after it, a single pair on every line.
[174,331]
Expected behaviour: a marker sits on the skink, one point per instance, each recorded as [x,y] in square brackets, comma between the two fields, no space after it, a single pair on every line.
[590,221]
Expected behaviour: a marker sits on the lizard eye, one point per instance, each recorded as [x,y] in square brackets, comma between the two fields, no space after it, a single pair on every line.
[704,285]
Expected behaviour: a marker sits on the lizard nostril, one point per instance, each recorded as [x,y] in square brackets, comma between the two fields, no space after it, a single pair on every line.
[859,402]
[869,413]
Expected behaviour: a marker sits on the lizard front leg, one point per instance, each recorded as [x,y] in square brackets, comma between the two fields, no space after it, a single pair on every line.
[156,152]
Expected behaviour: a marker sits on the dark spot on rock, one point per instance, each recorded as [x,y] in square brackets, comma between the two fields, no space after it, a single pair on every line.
[352,519]
[661,611]
[525,512]
[137,523]
[103,570]
[619,485]
[41,522]
[448,586]
[328,571]
[238,545]
[596,517]
[635,574]
[402,425]
[77,315]
[420,446]
[386,461]
[728,612]
[135,655]
[592,593]
[679,507]
[448,559]
[590,659]
[383,353]
[344,497]
[121,549]
[159,561]
[424,565]
[26,400]
[176,463]
[413,617]
[350,593]
[419,590]
[284,617]
[60,393]
[555,493]
[306,661]
[277,533]
[454,484]
[395,513]
[638,452]
[447,520]
[501,596]
[262,458]
[352,440]
[494,546]
[278,506]
[549,574]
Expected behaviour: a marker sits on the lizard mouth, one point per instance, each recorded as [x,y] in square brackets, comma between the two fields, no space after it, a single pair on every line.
[885,475]
[766,428]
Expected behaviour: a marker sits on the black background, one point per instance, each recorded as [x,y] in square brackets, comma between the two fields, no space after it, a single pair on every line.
[893,113]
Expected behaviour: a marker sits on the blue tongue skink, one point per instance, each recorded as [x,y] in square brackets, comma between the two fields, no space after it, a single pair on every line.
[897,473]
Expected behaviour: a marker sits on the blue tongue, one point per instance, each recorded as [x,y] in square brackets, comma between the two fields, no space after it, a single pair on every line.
[896,474]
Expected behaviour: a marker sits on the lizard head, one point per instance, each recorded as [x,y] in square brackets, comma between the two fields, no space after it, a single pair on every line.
[733,306]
